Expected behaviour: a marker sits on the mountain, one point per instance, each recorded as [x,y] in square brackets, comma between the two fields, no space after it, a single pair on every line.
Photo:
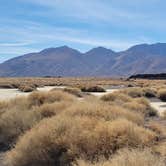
[65,61]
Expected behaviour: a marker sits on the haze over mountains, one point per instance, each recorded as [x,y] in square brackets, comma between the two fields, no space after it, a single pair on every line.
[65,61]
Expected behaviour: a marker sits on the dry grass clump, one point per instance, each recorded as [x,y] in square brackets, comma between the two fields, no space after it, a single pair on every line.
[128,157]
[100,110]
[160,149]
[92,89]
[164,114]
[149,92]
[14,123]
[133,92]
[20,114]
[116,97]
[27,88]
[52,109]
[60,140]
[74,91]
[39,98]
[162,94]
[140,105]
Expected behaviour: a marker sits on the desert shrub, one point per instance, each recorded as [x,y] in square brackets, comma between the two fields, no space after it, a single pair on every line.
[19,103]
[164,114]
[133,92]
[92,89]
[100,110]
[3,106]
[27,88]
[74,91]
[39,98]
[149,92]
[162,94]
[140,105]
[149,111]
[52,109]
[13,123]
[160,148]
[116,96]
[6,86]
[127,157]
[61,139]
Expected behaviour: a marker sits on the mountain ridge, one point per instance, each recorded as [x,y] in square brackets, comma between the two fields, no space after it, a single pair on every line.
[99,61]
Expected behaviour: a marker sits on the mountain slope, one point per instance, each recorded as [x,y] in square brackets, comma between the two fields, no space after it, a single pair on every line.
[65,61]
[53,61]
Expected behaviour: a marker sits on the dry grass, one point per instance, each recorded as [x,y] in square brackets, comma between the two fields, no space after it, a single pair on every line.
[116,97]
[20,114]
[14,123]
[27,88]
[133,92]
[100,110]
[128,157]
[162,94]
[39,98]
[52,109]
[140,104]
[164,114]
[62,139]
[74,91]
[92,89]
[149,92]
[56,128]
[160,149]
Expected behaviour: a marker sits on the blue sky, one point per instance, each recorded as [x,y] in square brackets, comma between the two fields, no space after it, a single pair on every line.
[32,25]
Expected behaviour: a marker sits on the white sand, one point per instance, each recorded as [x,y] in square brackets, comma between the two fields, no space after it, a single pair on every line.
[7,94]
[159,106]
[100,94]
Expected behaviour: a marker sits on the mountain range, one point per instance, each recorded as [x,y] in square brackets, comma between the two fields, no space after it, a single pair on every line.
[100,61]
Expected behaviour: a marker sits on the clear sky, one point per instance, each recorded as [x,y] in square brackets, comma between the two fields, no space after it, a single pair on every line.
[32,25]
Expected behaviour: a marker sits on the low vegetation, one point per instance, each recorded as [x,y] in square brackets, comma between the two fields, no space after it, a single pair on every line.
[27,88]
[58,128]
[127,157]
[162,94]
[74,91]
[124,99]
[92,89]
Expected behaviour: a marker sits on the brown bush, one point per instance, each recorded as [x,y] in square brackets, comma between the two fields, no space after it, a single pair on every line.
[52,109]
[140,105]
[133,92]
[127,157]
[160,149]
[60,140]
[116,97]
[100,110]
[27,88]
[92,89]
[14,123]
[74,91]
[162,94]
[149,92]
[39,98]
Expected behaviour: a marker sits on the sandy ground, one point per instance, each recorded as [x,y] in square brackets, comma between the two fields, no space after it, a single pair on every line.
[99,94]
[159,106]
[7,94]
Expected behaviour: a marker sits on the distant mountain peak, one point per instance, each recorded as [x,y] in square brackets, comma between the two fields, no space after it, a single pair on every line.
[54,49]
[99,61]
[100,50]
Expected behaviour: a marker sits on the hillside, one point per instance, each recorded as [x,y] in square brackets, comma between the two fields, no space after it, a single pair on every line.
[65,61]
